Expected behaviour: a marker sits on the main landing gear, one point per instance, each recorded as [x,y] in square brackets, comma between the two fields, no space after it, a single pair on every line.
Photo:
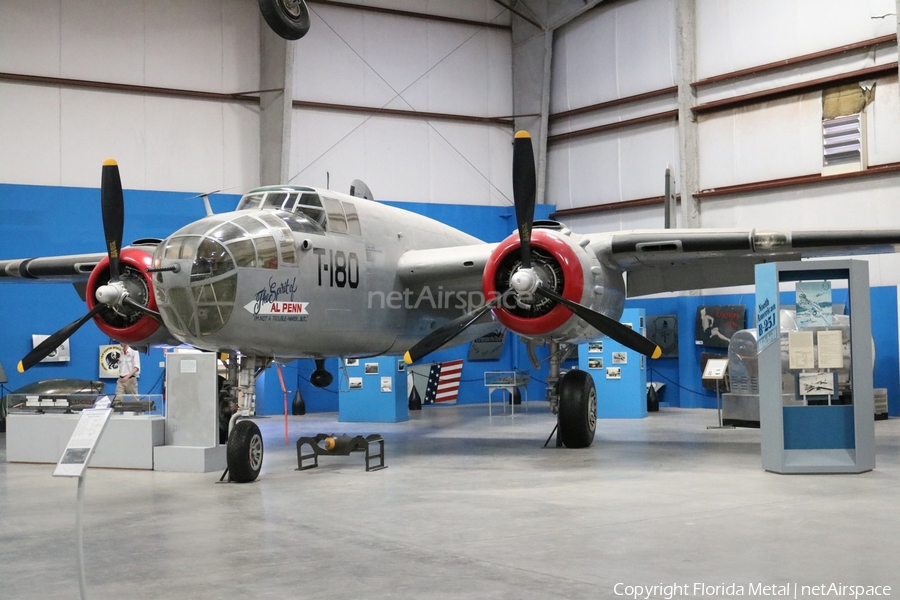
[577,416]
[573,398]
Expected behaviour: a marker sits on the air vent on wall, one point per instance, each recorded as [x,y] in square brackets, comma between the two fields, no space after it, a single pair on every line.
[844,144]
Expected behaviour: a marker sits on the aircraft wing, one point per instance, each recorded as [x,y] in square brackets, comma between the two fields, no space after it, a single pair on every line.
[72,269]
[685,259]
[458,268]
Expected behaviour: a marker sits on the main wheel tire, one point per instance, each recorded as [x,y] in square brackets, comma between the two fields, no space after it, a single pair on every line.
[245,452]
[577,409]
[288,18]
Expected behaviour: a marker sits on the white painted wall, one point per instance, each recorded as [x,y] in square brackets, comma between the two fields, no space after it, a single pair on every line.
[614,51]
[628,48]
[60,136]
[386,61]
[51,135]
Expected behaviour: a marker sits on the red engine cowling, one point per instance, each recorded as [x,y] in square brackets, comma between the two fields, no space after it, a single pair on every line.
[559,267]
[125,324]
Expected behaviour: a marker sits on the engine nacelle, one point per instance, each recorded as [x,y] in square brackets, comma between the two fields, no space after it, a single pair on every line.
[124,323]
[566,264]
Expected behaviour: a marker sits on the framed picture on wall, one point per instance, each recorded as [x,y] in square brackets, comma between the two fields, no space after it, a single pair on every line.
[716,324]
[61,354]
[110,355]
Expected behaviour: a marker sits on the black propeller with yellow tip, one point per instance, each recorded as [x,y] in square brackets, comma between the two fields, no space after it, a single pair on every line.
[445,333]
[524,186]
[113,208]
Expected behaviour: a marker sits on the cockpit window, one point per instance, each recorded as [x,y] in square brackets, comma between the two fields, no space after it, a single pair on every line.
[352,219]
[212,260]
[337,222]
[181,247]
[277,200]
[200,227]
[265,251]
[250,201]
[299,223]
[309,205]
[283,235]
[244,252]
[250,225]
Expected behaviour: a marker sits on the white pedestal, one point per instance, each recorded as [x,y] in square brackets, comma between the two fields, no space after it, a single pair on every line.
[127,442]
[189,459]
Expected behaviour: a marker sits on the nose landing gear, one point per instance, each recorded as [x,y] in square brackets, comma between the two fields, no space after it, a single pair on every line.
[244,453]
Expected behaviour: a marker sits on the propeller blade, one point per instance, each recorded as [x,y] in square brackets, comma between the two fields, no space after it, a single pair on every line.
[445,333]
[52,343]
[624,335]
[147,311]
[113,208]
[524,191]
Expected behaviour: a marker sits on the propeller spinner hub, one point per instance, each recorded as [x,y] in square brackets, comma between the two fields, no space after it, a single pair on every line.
[111,294]
[524,281]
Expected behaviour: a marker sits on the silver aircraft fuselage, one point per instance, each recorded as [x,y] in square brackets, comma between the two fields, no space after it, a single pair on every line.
[271,280]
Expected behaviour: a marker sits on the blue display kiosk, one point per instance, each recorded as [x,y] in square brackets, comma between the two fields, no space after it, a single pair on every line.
[807,423]
[373,390]
[620,374]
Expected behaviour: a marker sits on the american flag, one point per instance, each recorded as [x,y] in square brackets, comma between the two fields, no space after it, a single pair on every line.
[443,382]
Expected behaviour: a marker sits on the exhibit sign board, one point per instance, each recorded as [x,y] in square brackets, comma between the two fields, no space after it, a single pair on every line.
[767,320]
[81,445]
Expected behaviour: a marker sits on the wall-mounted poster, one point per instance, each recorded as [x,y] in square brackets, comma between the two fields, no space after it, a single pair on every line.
[488,346]
[663,330]
[716,324]
[371,368]
[595,362]
[356,383]
[594,347]
[614,372]
[620,358]
[61,354]
[110,356]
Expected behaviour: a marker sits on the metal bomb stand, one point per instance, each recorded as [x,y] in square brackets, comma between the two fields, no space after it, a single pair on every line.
[819,430]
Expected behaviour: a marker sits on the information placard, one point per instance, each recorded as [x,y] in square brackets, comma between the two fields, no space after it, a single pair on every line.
[81,445]
[831,349]
[801,350]
[715,368]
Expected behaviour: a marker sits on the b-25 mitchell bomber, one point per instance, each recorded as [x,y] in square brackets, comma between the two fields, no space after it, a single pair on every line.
[299,272]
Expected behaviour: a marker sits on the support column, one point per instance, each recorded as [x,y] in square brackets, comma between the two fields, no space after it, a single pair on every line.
[689,156]
[276,72]
[532,57]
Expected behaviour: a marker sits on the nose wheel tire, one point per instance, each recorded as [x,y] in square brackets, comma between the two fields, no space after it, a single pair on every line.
[577,409]
[245,452]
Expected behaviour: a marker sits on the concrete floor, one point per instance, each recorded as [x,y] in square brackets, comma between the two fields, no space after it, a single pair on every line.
[471,506]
